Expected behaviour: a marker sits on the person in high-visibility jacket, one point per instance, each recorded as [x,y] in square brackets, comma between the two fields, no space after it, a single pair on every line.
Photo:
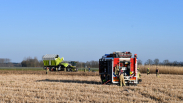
[138,73]
[121,78]
[116,70]
[148,71]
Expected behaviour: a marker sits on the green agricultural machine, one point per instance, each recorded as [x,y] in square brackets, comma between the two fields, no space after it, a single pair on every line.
[53,62]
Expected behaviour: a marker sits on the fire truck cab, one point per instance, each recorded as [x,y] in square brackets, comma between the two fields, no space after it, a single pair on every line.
[110,65]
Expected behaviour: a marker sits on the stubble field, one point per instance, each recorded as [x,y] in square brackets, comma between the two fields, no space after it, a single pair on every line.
[56,87]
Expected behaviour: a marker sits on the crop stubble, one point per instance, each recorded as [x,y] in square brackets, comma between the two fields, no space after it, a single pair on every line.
[64,87]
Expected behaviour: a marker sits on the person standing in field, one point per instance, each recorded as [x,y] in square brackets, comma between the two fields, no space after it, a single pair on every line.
[138,74]
[148,71]
[116,70]
[157,72]
[47,70]
[89,69]
[121,78]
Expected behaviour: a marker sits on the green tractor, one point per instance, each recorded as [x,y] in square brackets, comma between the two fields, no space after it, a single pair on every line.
[53,62]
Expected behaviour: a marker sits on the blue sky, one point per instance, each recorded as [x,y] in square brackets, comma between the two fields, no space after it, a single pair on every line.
[85,30]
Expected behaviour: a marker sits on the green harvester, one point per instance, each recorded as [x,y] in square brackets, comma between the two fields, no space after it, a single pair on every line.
[53,62]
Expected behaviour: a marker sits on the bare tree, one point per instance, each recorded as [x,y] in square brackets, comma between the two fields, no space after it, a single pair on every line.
[166,62]
[156,61]
[149,62]
[29,62]
[139,62]
[175,63]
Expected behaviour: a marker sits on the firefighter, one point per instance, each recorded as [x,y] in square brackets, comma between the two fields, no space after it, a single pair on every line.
[121,77]
[138,69]
[116,69]
[157,72]
[138,75]
[148,71]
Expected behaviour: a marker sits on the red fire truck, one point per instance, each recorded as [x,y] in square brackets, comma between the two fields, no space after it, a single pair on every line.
[110,64]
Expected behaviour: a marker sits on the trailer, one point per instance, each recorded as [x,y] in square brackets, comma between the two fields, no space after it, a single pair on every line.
[53,62]
[110,64]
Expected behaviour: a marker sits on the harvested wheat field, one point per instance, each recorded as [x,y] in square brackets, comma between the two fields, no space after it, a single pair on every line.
[75,88]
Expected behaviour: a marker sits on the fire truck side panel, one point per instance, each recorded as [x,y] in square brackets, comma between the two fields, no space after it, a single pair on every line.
[110,66]
[131,66]
[115,78]
[135,66]
[105,68]
[116,62]
[136,70]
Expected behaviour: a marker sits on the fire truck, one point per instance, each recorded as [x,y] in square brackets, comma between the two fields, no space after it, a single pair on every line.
[110,65]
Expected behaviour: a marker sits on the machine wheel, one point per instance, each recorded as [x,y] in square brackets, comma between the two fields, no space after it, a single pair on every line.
[128,84]
[68,69]
[52,68]
[59,68]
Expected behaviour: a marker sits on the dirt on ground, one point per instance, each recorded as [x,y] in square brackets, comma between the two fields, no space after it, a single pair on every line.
[58,88]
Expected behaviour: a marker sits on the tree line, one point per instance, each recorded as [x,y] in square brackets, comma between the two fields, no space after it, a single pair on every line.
[165,62]
[34,62]
[5,62]
[91,64]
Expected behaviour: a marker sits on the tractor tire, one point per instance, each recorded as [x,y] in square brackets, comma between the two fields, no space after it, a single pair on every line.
[128,84]
[68,69]
[59,68]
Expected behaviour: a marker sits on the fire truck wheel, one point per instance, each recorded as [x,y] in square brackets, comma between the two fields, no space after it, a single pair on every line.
[127,84]
[135,84]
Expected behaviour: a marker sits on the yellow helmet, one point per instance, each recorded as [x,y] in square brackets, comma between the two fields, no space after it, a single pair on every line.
[137,68]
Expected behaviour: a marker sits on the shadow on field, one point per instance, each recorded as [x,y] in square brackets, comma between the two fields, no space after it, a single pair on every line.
[70,81]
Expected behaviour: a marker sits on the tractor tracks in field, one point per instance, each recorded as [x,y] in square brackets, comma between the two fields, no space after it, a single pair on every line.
[168,93]
[146,94]
[157,94]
